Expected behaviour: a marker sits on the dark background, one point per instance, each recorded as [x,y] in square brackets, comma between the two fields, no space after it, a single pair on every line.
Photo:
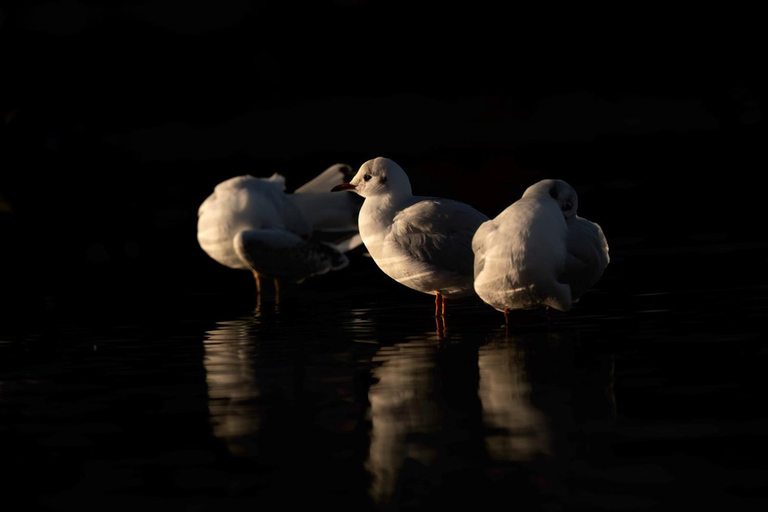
[119,120]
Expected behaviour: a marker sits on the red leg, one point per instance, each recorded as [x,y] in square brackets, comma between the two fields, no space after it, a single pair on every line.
[257,277]
[506,316]
[443,305]
[438,303]
[440,325]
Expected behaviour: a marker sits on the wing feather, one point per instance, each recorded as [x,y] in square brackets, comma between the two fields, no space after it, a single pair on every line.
[438,232]
[281,254]
[587,255]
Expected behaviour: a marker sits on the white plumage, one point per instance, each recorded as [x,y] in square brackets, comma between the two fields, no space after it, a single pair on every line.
[423,243]
[538,252]
[252,224]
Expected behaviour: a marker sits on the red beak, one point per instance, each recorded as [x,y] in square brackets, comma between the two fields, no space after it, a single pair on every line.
[343,186]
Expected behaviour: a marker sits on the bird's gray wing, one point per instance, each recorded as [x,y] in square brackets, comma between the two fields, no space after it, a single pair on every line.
[587,255]
[285,255]
[438,232]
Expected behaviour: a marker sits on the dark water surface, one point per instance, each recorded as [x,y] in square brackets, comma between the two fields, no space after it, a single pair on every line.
[649,395]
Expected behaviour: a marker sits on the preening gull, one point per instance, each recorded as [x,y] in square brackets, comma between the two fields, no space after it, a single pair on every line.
[538,252]
[250,223]
[424,243]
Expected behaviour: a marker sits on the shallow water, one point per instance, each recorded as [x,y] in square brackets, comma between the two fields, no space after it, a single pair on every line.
[643,397]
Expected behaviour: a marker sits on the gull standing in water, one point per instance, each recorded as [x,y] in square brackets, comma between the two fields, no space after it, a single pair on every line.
[424,243]
[538,252]
[252,224]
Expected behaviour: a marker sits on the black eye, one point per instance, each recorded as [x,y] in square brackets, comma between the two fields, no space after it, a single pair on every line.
[367,177]
[567,206]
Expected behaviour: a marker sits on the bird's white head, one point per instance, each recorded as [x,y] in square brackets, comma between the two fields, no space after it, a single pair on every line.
[379,176]
[557,190]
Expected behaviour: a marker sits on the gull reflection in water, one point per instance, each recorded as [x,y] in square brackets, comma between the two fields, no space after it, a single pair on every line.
[403,411]
[232,383]
[420,432]
[517,430]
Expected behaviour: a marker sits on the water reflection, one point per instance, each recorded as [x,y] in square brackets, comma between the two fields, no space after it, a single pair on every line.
[497,409]
[232,382]
[441,407]
[517,431]
[404,412]
[420,418]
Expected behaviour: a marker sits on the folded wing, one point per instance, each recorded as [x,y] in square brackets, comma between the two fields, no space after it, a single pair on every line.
[439,232]
[587,255]
[284,255]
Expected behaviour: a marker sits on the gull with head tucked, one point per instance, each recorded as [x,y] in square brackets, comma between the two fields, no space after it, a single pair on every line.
[538,252]
[424,243]
[250,223]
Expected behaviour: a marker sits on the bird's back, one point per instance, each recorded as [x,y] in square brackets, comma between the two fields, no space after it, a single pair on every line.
[245,203]
[519,256]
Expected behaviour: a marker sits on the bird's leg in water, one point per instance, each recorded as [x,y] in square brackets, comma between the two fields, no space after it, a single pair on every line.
[438,303]
[277,290]
[443,305]
[440,325]
[258,282]
[506,316]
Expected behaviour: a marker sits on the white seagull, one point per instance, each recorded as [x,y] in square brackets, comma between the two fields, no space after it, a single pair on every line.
[250,223]
[424,243]
[538,252]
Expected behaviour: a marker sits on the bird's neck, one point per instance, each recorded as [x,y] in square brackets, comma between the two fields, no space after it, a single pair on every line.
[378,212]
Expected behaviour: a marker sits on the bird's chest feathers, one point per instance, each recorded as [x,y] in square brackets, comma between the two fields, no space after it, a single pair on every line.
[375,223]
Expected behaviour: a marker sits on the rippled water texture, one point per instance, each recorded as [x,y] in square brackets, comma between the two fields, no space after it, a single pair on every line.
[640,398]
